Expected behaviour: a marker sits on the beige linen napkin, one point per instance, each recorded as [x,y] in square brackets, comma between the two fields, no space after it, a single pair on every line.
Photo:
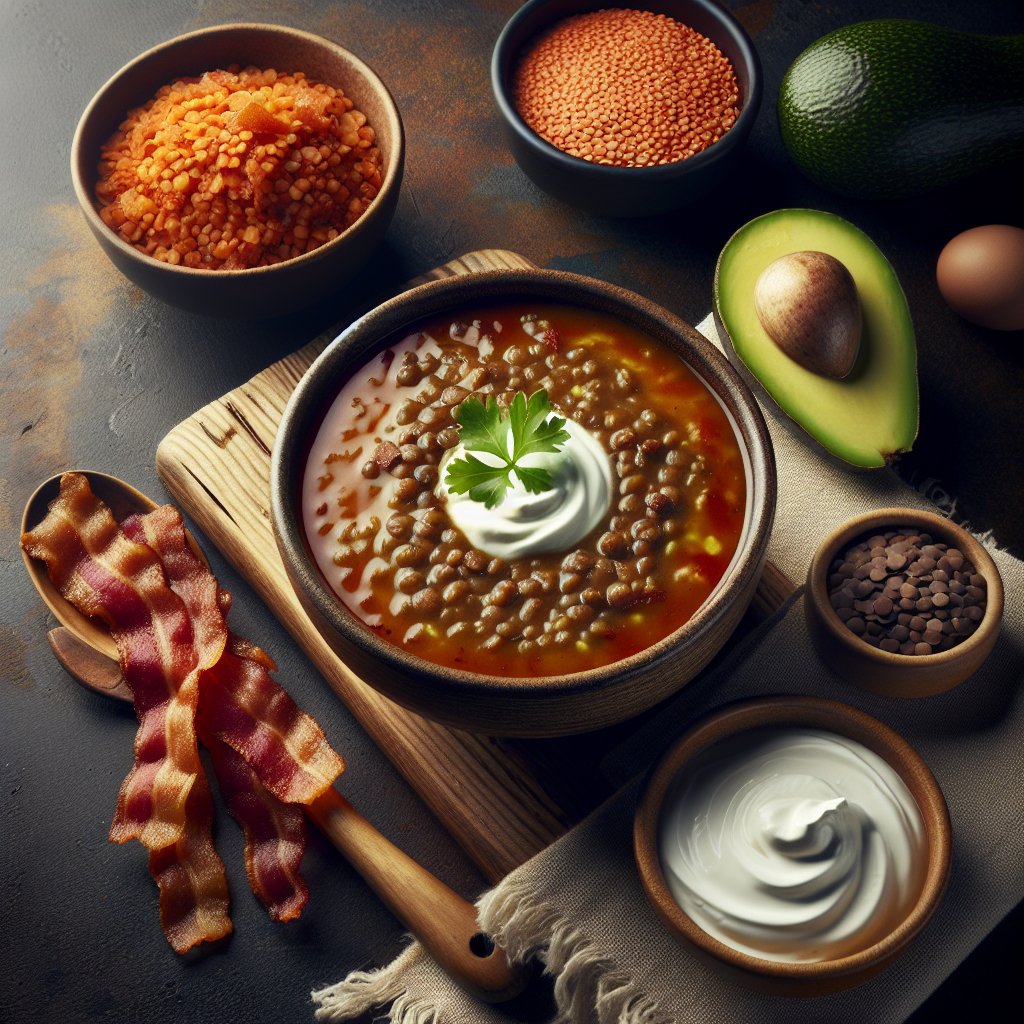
[579,907]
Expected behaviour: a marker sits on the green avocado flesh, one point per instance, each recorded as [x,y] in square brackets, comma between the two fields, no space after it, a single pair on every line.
[892,107]
[870,416]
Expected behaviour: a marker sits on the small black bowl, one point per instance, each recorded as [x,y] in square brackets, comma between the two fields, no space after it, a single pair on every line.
[625,191]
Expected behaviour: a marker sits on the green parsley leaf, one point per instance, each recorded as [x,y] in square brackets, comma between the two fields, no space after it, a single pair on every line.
[482,428]
[482,482]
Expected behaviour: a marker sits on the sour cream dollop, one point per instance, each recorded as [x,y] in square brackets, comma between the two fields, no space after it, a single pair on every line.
[793,845]
[525,524]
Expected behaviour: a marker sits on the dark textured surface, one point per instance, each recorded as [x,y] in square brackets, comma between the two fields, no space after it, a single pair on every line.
[95,373]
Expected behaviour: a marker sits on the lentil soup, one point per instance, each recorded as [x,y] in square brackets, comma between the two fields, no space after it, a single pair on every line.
[379,528]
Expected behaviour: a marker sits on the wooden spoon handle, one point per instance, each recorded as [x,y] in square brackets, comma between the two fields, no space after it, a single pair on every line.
[440,918]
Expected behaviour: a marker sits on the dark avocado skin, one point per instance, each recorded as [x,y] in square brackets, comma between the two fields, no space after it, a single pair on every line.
[890,108]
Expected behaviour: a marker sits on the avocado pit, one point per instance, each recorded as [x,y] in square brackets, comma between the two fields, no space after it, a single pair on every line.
[807,304]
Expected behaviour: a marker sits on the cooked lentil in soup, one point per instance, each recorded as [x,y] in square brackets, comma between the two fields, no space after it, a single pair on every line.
[379,528]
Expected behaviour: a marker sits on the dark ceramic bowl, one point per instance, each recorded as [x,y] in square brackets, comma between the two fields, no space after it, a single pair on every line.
[259,291]
[518,705]
[891,674]
[626,191]
[807,978]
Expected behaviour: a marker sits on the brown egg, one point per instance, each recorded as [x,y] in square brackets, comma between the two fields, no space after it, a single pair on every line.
[980,274]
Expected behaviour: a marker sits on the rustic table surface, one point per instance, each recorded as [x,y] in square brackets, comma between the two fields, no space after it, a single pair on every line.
[95,373]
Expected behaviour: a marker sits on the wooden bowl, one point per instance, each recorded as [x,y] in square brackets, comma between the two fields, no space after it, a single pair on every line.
[626,191]
[515,704]
[258,291]
[803,978]
[892,674]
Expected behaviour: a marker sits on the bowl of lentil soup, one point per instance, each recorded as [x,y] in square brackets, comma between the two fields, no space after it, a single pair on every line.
[626,110]
[240,170]
[490,621]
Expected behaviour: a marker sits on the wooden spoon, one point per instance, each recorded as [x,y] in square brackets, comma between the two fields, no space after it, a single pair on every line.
[443,922]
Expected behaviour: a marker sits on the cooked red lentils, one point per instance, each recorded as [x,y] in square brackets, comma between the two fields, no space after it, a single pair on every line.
[626,87]
[239,168]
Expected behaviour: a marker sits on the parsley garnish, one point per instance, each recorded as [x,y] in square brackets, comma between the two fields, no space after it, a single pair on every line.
[483,428]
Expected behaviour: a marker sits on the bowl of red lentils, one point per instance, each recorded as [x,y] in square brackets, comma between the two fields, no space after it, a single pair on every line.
[626,111]
[240,170]
[903,602]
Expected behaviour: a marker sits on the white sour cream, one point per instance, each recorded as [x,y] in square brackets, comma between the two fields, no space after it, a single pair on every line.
[793,845]
[525,524]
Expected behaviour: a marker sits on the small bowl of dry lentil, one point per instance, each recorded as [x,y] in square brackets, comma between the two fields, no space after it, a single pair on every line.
[626,111]
[240,170]
[903,602]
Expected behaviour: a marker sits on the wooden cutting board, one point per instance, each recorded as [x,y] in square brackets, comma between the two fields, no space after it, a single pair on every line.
[502,800]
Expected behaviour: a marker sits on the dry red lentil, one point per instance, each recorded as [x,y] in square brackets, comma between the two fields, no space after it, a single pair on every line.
[239,168]
[626,87]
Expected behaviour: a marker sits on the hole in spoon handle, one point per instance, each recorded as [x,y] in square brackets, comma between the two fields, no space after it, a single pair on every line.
[481,945]
[443,922]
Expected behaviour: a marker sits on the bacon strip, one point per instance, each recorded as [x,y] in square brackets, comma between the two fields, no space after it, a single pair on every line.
[108,576]
[268,754]
[275,833]
[245,708]
[191,878]
[166,613]
[239,702]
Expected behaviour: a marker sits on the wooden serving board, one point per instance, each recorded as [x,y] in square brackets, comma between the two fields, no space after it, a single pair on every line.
[501,800]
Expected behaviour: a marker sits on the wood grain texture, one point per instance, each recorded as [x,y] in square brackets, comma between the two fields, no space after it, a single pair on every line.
[216,464]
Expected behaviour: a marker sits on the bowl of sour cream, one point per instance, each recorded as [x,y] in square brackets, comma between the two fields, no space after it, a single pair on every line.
[796,842]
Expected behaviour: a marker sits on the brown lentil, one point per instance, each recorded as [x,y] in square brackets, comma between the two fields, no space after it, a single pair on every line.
[634,579]
[239,168]
[627,88]
[904,593]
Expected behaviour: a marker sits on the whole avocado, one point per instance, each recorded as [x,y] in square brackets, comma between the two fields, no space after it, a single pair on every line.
[889,108]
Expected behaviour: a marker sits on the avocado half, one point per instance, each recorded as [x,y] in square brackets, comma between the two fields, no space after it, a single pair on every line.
[869,417]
